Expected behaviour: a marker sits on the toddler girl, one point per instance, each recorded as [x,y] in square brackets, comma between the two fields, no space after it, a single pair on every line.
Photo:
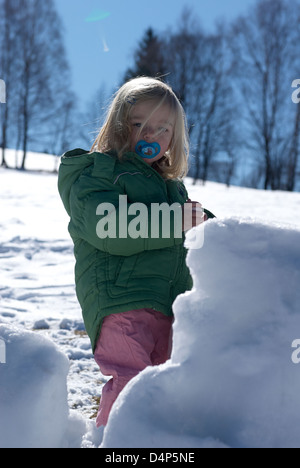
[128,271]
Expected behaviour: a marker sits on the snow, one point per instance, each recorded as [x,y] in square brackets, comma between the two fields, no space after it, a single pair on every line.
[231,381]
[33,396]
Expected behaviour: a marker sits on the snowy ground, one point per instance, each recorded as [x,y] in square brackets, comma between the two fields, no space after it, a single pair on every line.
[36,275]
[37,295]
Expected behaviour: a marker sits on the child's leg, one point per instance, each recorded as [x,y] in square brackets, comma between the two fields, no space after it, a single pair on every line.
[118,354]
[128,343]
[163,333]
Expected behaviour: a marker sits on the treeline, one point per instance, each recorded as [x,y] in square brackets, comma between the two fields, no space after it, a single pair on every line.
[236,87]
[235,84]
[34,66]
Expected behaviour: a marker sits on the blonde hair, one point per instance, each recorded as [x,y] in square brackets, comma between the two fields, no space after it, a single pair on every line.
[115,133]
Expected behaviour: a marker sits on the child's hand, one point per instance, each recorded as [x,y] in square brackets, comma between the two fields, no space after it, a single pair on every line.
[192,215]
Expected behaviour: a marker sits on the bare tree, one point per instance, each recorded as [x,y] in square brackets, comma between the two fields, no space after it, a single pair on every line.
[181,53]
[34,66]
[44,72]
[293,156]
[8,56]
[266,60]
[93,118]
[198,72]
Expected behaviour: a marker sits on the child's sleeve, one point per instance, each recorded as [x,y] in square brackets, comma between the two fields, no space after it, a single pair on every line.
[98,217]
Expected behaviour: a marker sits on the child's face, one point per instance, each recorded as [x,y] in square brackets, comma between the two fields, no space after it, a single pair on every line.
[158,128]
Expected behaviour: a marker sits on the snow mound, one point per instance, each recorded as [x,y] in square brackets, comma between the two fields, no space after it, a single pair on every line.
[231,380]
[33,394]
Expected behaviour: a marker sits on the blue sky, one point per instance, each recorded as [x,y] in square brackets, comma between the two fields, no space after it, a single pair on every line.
[101,35]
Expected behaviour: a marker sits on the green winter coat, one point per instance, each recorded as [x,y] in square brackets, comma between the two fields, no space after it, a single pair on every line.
[118,273]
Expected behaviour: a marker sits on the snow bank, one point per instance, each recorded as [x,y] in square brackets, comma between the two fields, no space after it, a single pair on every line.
[231,380]
[33,394]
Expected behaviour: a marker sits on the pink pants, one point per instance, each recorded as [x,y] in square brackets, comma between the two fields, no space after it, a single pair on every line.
[128,343]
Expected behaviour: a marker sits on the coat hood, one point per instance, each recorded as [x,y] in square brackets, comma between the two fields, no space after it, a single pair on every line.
[72,165]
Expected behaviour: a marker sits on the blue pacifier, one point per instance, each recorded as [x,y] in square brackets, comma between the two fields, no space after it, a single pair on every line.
[147,150]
